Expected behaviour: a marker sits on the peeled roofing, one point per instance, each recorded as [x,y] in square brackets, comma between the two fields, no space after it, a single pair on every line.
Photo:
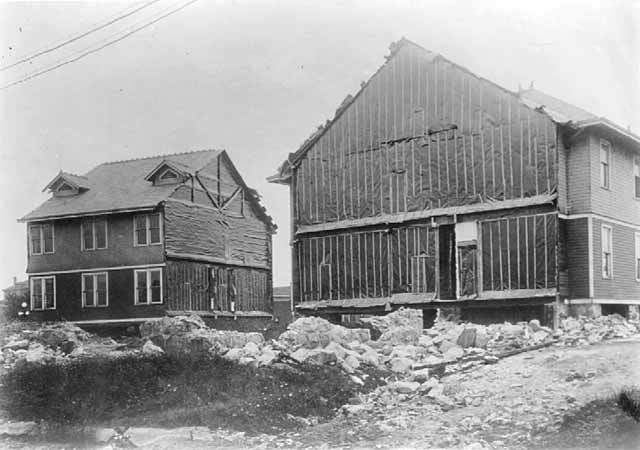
[120,185]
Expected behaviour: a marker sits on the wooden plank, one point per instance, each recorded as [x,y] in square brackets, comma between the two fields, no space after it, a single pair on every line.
[428,213]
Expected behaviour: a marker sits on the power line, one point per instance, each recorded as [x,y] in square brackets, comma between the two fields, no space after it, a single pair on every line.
[89,52]
[80,36]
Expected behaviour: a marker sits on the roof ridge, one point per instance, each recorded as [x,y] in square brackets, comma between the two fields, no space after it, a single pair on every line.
[119,161]
[64,172]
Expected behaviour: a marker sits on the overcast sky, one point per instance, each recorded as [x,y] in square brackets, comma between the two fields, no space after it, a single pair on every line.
[257,77]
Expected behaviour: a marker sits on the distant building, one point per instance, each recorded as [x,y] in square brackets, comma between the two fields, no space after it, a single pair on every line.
[18,289]
[435,187]
[282,306]
[142,238]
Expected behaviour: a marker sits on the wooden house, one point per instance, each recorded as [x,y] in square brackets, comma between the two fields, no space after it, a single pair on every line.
[146,237]
[434,187]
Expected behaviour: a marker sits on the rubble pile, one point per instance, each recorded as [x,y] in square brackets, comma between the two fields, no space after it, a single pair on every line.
[589,330]
[49,342]
[189,335]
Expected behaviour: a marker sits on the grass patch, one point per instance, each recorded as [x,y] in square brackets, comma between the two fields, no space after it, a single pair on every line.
[629,402]
[170,392]
[605,423]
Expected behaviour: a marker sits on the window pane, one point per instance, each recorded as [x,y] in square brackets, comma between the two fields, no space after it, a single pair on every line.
[156,296]
[101,233]
[154,228]
[35,239]
[87,236]
[101,281]
[47,230]
[140,224]
[604,153]
[48,293]
[638,186]
[36,295]
[141,286]
[88,290]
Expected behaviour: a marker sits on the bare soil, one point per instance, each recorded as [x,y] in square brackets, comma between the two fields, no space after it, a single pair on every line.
[556,397]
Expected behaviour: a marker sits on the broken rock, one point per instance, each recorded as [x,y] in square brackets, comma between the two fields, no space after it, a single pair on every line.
[404,387]
[400,365]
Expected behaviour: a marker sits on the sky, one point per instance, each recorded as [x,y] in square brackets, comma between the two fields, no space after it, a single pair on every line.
[257,77]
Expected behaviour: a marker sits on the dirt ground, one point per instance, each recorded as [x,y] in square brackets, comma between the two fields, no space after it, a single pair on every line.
[523,401]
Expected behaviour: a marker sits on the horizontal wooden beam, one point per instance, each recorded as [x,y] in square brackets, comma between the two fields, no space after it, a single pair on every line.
[517,293]
[216,314]
[426,301]
[214,260]
[427,213]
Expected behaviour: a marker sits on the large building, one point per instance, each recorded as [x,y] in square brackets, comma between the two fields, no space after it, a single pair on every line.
[147,237]
[434,187]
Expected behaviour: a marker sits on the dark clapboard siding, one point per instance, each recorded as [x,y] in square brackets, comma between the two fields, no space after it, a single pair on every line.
[424,133]
[196,286]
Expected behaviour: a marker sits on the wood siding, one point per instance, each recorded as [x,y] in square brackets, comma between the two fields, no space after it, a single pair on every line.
[203,231]
[193,286]
[578,257]
[121,300]
[617,202]
[424,133]
[120,251]
[622,285]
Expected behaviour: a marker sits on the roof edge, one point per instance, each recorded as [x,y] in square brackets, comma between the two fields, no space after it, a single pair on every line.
[27,219]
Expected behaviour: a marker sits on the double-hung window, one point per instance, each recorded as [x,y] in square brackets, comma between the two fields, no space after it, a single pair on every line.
[146,229]
[94,234]
[637,256]
[43,293]
[605,164]
[41,238]
[148,286]
[607,251]
[95,290]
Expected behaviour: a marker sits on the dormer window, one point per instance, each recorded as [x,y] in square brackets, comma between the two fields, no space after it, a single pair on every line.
[67,184]
[167,177]
[167,172]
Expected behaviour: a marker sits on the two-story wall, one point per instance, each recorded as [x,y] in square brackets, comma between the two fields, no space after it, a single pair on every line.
[147,237]
[602,219]
[430,184]
[115,264]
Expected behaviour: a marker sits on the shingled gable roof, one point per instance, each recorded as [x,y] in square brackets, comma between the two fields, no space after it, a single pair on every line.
[557,110]
[123,186]
[118,186]
[567,114]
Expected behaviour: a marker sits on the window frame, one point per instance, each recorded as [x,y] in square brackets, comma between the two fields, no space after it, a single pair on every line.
[43,292]
[605,183]
[95,276]
[636,177]
[147,272]
[609,228]
[94,239]
[147,222]
[40,226]
[637,252]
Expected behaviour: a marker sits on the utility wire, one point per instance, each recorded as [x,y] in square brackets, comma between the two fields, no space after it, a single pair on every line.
[89,52]
[80,36]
